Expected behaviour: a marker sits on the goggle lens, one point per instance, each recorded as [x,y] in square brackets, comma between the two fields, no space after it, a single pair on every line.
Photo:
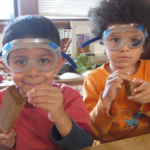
[21,59]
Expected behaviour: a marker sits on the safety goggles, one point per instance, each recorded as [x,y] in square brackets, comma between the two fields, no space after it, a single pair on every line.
[17,55]
[115,37]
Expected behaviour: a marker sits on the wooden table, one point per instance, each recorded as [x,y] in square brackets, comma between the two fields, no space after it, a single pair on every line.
[6,83]
[75,82]
[141,142]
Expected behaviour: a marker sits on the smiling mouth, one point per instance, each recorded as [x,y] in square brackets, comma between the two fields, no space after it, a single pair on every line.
[34,85]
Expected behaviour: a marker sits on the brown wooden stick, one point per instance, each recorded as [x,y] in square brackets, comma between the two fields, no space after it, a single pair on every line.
[129,86]
[11,108]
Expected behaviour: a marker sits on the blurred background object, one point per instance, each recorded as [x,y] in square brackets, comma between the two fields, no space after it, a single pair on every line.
[1,78]
[65,43]
[66,67]
[83,62]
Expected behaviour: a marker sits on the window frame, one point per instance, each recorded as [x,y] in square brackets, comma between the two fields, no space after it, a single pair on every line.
[22,7]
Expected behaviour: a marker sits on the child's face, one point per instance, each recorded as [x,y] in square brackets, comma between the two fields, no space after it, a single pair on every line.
[123,56]
[32,77]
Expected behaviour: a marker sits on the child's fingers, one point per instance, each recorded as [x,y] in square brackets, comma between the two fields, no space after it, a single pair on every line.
[3,136]
[140,99]
[40,87]
[142,94]
[138,81]
[54,111]
[117,79]
[11,143]
[8,140]
[115,82]
[143,87]
[43,86]
[51,91]
[45,106]
[10,135]
[41,99]
[111,89]
[120,76]
[45,96]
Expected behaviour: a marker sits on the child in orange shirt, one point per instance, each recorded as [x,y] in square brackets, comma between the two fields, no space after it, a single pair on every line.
[123,27]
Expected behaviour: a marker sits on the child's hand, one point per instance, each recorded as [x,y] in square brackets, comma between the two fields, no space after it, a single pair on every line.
[7,141]
[143,92]
[48,98]
[114,83]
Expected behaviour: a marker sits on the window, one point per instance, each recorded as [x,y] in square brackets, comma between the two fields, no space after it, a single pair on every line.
[60,11]
[6,9]
[65,9]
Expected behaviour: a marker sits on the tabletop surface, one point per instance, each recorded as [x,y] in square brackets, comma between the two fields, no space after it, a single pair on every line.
[71,82]
[141,142]
[6,83]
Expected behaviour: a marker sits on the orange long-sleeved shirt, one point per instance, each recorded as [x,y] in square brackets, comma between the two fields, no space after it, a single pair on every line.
[126,118]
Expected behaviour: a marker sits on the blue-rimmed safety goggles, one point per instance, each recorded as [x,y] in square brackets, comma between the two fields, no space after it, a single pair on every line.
[114,37]
[21,63]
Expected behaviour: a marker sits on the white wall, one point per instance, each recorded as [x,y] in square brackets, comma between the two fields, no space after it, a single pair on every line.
[82,27]
[98,48]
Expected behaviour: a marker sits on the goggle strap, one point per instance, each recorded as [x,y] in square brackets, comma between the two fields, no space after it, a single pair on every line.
[1,62]
[7,46]
[91,41]
[70,60]
[137,43]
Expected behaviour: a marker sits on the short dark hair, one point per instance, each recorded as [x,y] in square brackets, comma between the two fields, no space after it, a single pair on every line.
[120,11]
[32,26]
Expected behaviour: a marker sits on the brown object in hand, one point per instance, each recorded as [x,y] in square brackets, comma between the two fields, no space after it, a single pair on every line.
[11,108]
[129,86]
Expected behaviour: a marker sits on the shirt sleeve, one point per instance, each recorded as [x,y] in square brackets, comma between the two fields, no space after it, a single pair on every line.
[75,107]
[145,108]
[101,119]
[77,139]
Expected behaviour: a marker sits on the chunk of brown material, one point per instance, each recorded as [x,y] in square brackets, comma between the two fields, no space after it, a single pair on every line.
[129,86]
[11,108]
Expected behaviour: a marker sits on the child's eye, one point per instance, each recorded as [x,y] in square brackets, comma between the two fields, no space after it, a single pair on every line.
[114,40]
[21,62]
[135,40]
[44,61]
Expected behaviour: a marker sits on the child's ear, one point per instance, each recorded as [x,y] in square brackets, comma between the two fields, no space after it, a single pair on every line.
[142,50]
[59,65]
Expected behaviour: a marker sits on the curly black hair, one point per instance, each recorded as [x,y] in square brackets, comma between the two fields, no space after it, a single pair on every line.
[120,11]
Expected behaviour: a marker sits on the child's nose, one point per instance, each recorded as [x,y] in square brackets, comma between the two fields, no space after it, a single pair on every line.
[125,47]
[32,71]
